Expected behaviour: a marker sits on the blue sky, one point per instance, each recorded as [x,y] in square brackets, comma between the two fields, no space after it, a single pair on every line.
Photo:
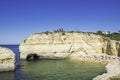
[21,18]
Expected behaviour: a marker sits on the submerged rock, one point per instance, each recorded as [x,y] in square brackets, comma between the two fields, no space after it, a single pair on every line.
[113,71]
[60,46]
[7,59]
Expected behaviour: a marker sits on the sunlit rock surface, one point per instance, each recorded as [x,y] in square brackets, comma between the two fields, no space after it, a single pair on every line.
[7,60]
[61,45]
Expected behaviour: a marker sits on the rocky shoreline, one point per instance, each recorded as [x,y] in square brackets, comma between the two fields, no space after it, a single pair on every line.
[112,64]
[94,58]
[113,71]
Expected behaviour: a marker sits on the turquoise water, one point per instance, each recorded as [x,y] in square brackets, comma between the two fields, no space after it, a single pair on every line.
[61,70]
[54,70]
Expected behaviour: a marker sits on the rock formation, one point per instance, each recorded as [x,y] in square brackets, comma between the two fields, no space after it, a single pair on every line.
[60,45]
[7,59]
[113,71]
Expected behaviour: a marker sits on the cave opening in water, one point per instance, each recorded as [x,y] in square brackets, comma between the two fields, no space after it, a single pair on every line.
[32,57]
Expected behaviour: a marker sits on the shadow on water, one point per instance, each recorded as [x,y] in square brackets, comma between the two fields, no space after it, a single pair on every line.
[51,69]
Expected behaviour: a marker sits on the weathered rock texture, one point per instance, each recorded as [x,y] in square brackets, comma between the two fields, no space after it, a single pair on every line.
[113,71]
[68,45]
[7,59]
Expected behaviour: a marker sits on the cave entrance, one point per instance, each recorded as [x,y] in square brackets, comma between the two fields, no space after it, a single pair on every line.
[32,57]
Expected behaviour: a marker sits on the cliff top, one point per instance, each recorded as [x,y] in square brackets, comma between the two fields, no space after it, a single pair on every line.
[112,36]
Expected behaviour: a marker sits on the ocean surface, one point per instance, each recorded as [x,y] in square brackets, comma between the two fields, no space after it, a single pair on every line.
[51,69]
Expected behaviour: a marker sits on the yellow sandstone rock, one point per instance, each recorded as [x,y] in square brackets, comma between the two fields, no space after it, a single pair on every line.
[58,45]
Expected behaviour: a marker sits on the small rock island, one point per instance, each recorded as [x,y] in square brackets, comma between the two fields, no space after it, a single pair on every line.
[7,59]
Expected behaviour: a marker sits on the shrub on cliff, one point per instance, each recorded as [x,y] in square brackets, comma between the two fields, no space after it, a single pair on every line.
[59,30]
[114,35]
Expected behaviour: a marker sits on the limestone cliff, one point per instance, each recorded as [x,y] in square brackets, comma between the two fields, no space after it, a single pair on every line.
[63,45]
[7,59]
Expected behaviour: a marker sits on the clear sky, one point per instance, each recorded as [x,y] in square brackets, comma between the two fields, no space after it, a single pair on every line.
[21,18]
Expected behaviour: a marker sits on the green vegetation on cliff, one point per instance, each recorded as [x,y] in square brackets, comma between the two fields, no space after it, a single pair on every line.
[113,36]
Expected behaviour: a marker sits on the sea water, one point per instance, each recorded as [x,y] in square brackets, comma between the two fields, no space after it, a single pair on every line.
[51,69]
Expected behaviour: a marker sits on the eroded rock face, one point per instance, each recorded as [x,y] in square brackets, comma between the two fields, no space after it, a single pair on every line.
[60,46]
[7,59]
[113,71]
